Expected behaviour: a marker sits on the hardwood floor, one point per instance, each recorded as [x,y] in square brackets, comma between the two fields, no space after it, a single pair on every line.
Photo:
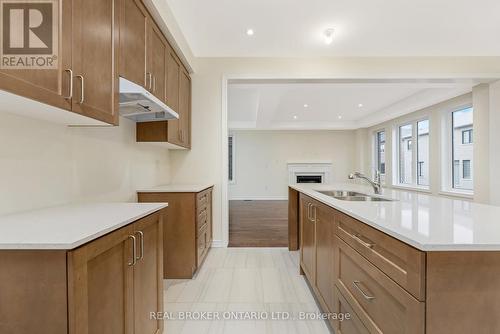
[258,223]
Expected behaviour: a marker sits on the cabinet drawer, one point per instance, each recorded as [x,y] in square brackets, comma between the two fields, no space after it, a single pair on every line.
[202,218]
[202,241]
[401,262]
[386,306]
[202,200]
[353,325]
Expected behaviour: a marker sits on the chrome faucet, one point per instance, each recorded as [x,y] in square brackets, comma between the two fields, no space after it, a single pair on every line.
[377,187]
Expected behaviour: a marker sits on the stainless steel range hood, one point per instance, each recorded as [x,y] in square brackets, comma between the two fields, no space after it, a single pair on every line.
[139,105]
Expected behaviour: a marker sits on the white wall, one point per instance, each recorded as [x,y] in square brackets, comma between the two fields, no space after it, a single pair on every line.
[493,153]
[44,164]
[261,159]
[204,163]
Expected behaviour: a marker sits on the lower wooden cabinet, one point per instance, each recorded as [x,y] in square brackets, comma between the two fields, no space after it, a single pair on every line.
[187,230]
[381,285]
[316,248]
[107,286]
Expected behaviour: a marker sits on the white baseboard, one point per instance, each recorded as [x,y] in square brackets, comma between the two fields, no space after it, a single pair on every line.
[277,198]
[219,244]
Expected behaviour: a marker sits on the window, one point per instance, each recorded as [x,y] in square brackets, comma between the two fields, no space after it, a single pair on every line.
[462,149]
[420,168]
[423,153]
[466,169]
[413,153]
[456,171]
[230,141]
[467,136]
[405,154]
[380,151]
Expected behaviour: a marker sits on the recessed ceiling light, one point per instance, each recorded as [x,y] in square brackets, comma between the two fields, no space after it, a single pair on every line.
[295,117]
[250,32]
[328,36]
[340,117]
[360,105]
[306,105]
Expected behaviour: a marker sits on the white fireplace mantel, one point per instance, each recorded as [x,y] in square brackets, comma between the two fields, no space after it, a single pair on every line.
[323,169]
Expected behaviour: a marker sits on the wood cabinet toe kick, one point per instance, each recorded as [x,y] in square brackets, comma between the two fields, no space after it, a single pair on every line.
[388,286]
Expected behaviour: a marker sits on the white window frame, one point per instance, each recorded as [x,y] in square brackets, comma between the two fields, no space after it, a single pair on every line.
[375,153]
[414,154]
[447,159]
[233,158]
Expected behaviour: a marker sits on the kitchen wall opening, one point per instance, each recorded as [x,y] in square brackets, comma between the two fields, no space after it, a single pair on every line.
[284,132]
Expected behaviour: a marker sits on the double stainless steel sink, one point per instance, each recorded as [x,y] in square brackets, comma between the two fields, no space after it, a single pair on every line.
[353,196]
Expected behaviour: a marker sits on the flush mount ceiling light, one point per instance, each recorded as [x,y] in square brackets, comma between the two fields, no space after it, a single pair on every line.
[306,105]
[295,117]
[328,36]
[340,117]
[360,105]
[250,32]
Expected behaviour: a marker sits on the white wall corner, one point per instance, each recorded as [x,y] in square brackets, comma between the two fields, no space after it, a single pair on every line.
[481,168]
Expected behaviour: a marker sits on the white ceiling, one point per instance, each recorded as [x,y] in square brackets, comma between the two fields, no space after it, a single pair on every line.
[293,28]
[261,104]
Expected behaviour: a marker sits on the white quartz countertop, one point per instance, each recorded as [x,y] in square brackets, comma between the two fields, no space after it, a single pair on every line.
[426,222]
[177,188]
[70,226]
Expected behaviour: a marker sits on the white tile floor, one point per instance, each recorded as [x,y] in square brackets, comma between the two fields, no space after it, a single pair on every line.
[235,280]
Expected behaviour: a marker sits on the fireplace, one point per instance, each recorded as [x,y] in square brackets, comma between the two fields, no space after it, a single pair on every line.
[309,179]
[309,172]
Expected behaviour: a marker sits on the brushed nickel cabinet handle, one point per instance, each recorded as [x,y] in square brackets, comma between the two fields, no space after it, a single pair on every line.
[314,207]
[70,84]
[154,84]
[134,251]
[141,234]
[82,88]
[150,79]
[358,237]
[365,295]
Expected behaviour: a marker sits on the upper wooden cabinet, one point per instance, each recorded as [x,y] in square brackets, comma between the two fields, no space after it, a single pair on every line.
[86,80]
[133,38]
[165,77]
[46,86]
[157,50]
[185,108]
[95,59]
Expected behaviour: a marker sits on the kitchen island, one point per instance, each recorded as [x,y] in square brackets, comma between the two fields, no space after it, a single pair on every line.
[83,268]
[415,263]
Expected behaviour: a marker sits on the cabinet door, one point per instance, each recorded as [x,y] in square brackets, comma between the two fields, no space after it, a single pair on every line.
[133,34]
[50,86]
[324,253]
[308,236]
[157,62]
[100,285]
[210,222]
[148,275]
[95,59]
[173,75]
[185,108]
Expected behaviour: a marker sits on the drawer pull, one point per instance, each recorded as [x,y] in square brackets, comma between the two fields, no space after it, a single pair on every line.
[366,296]
[361,241]
[134,251]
